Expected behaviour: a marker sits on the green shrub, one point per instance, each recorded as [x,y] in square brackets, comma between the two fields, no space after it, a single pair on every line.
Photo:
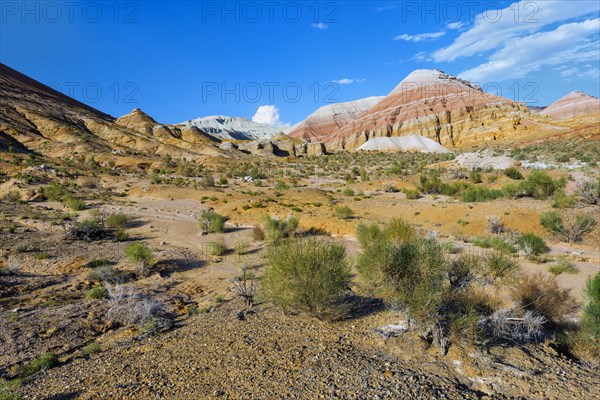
[138,252]
[73,203]
[430,183]
[308,275]
[532,245]
[562,200]
[54,191]
[348,192]
[563,266]
[212,222]
[571,226]
[216,248]
[589,192]
[116,220]
[276,229]
[539,185]
[585,343]
[343,212]
[12,196]
[91,348]
[513,173]
[411,194]
[97,293]
[11,390]
[480,193]
[498,265]
[494,242]
[46,361]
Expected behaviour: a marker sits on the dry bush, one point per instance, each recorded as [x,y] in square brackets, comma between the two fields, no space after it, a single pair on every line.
[496,224]
[541,294]
[130,308]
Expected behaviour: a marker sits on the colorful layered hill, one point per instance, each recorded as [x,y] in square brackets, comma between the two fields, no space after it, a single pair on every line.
[573,105]
[435,105]
[327,119]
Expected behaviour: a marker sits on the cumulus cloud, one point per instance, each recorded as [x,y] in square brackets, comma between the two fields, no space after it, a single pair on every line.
[575,42]
[420,37]
[494,28]
[269,115]
[348,81]
[320,26]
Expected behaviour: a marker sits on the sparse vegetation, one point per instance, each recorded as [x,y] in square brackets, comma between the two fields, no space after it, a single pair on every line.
[343,212]
[532,245]
[276,229]
[47,361]
[212,222]
[308,275]
[571,226]
[139,253]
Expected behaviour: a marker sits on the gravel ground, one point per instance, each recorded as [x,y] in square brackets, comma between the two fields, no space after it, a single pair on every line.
[267,355]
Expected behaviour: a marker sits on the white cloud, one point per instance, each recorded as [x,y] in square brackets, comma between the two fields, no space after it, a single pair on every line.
[320,26]
[570,43]
[494,28]
[421,57]
[455,25]
[419,37]
[348,81]
[269,115]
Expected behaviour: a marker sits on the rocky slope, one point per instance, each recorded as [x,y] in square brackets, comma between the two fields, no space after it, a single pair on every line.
[223,127]
[329,118]
[574,104]
[436,105]
[36,117]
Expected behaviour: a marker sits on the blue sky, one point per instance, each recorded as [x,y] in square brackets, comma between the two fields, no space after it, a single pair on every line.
[182,60]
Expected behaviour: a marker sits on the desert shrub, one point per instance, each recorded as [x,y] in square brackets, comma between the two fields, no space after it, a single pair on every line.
[475,176]
[258,234]
[498,265]
[129,308]
[562,200]
[280,185]
[12,196]
[479,193]
[73,203]
[96,293]
[532,245]
[388,187]
[411,194]
[563,266]
[494,242]
[47,361]
[276,229]
[343,212]
[91,348]
[571,226]
[212,222]
[348,192]
[512,191]
[539,185]
[450,189]
[587,345]
[496,224]
[138,252]
[513,173]
[54,191]
[430,183]
[11,390]
[216,247]
[116,220]
[245,285]
[589,191]
[308,275]
[89,230]
[542,294]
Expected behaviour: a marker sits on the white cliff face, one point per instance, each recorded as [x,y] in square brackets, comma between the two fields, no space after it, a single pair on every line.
[223,127]
[329,118]
[431,78]
[573,104]
[403,143]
